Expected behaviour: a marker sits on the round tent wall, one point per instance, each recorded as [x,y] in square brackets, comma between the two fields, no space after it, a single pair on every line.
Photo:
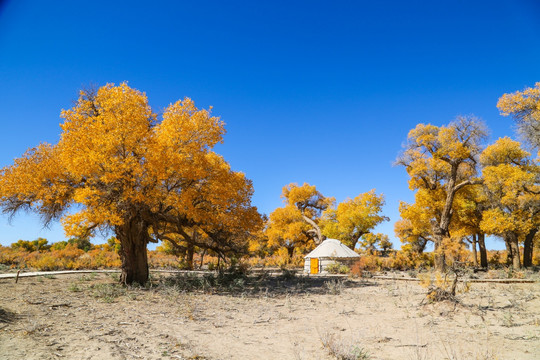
[328,252]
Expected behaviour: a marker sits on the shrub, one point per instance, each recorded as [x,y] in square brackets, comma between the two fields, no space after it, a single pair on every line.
[356,270]
[10,257]
[334,287]
[333,268]
[164,260]
[405,260]
[343,350]
[46,262]
[107,292]
[337,268]
[369,263]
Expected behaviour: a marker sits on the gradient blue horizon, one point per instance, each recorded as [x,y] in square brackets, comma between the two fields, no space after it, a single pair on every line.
[310,91]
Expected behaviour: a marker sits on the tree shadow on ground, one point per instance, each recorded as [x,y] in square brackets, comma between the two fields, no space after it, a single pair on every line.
[7,317]
[256,285]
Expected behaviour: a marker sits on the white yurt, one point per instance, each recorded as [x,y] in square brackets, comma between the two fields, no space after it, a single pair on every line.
[328,252]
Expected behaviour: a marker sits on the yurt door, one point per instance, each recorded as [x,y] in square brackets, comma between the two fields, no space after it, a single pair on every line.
[314,266]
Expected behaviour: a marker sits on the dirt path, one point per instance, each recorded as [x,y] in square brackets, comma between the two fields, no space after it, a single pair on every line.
[90,317]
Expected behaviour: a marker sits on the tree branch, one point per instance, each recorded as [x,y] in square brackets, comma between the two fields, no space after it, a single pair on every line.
[467,182]
[316,227]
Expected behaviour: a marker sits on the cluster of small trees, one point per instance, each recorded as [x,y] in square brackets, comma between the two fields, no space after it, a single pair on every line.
[78,253]
[308,217]
[42,244]
[465,191]
[120,168]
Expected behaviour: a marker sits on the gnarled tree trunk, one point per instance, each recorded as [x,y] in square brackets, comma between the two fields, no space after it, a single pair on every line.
[483,251]
[318,238]
[440,231]
[513,243]
[438,255]
[133,237]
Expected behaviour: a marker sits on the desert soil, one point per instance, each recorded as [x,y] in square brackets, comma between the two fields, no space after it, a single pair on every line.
[91,317]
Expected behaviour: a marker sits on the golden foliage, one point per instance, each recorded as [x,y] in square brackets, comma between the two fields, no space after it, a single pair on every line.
[524,106]
[353,218]
[295,225]
[306,198]
[511,179]
[415,226]
[441,163]
[307,215]
[120,168]
[72,258]
[433,152]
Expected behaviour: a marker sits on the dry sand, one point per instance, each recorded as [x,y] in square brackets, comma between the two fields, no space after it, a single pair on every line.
[90,317]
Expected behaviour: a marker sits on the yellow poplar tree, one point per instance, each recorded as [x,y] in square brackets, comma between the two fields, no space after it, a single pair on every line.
[524,106]
[443,160]
[370,241]
[511,182]
[119,168]
[296,224]
[287,229]
[468,209]
[414,227]
[353,218]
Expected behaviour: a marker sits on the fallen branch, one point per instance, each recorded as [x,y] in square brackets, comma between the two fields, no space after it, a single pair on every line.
[411,345]
[60,305]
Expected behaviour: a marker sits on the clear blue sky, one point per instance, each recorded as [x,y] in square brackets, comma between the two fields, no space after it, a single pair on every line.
[311,91]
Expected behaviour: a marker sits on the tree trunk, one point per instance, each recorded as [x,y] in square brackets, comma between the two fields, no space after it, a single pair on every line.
[438,255]
[475,255]
[483,251]
[319,237]
[191,250]
[528,247]
[133,237]
[420,246]
[355,238]
[290,251]
[354,241]
[514,245]
[441,229]
[189,256]
[202,259]
[509,254]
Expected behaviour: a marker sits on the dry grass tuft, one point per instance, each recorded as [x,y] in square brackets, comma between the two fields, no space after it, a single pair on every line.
[342,349]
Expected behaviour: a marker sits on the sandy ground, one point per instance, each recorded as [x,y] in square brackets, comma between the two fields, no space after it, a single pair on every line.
[90,317]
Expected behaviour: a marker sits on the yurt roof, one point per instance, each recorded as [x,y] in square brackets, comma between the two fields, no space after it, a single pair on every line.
[332,248]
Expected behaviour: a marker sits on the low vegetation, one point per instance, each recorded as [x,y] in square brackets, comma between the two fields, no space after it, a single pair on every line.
[70,256]
[266,316]
[341,349]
